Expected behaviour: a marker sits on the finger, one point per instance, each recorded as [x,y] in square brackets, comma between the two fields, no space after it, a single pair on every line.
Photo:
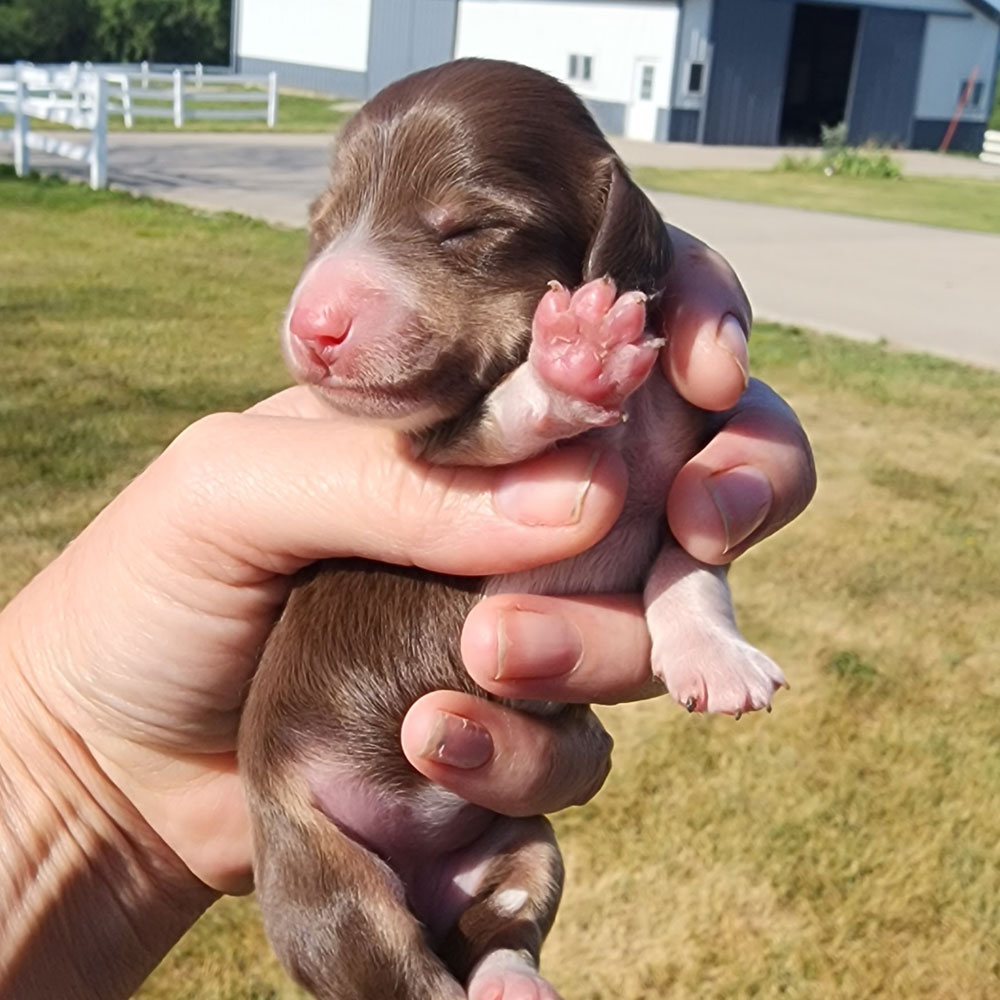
[266,495]
[706,319]
[514,763]
[755,476]
[565,649]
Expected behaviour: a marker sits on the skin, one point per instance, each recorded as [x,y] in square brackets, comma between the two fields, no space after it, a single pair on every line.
[124,662]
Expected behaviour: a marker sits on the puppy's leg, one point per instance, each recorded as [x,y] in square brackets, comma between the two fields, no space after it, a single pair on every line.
[589,353]
[697,650]
[513,876]
[336,914]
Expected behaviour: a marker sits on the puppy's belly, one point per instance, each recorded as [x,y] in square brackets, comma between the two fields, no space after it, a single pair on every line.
[430,840]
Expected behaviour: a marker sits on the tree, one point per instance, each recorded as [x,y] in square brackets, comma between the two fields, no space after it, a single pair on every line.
[181,31]
[45,30]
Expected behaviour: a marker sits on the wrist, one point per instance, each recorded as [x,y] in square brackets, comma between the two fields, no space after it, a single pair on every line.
[90,897]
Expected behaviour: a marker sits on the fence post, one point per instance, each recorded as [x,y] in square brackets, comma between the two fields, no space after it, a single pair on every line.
[144,68]
[22,158]
[99,140]
[178,98]
[272,98]
[198,70]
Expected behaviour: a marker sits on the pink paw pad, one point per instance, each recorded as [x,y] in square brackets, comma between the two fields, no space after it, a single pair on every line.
[592,345]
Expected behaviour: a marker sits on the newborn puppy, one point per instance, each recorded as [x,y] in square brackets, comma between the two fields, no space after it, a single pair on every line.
[466,202]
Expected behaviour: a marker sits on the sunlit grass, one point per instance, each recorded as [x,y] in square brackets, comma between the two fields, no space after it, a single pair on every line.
[843,847]
[952,202]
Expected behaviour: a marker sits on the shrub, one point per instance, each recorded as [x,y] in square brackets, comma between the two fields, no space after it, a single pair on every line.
[839,158]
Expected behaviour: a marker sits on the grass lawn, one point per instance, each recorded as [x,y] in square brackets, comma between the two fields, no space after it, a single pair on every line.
[958,203]
[845,846]
[296,113]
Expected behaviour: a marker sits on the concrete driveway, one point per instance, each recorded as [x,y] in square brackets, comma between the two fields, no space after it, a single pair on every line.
[918,287]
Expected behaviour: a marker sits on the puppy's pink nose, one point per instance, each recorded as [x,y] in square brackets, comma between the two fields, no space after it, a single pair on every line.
[325,325]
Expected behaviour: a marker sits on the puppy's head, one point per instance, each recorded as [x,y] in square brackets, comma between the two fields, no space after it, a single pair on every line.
[457,194]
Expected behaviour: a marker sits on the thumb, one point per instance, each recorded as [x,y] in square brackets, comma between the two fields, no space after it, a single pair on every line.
[254,495]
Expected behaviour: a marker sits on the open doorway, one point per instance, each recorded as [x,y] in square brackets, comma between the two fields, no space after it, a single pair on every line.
[820,60]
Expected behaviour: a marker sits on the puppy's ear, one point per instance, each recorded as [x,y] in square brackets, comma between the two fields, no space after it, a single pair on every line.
[631,244]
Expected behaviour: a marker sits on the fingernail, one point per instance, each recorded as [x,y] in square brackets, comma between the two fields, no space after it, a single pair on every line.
[532,645]
[550,495]
[457,742]
[732,338]
[743,497]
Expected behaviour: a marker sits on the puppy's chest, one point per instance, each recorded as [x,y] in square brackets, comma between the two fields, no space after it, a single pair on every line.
[662,432]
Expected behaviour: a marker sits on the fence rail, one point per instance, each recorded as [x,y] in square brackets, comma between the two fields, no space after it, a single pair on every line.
[83,95]
[67,97]
[991,148]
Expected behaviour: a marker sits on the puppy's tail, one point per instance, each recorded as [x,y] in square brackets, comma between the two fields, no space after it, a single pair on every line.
[335,913]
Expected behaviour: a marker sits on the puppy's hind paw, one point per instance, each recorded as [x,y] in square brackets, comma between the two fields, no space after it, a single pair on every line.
[506,975]
[722,674]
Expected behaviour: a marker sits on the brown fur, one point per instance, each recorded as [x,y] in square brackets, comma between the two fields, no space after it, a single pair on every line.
[483,181]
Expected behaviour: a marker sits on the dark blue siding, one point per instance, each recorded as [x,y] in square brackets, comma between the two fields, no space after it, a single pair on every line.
[928,133]
[883,91]
[407,35]
[747,83]
[683,125]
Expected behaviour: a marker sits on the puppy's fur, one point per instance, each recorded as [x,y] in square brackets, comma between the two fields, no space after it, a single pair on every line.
[457,195]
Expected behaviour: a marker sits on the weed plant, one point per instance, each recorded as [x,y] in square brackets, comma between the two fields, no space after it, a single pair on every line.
[840,159]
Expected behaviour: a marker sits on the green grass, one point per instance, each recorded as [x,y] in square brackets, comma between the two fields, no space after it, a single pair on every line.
[957,203]
[296,113]
[843,847]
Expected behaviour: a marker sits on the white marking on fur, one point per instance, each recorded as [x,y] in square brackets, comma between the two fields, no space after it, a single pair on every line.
[508,902]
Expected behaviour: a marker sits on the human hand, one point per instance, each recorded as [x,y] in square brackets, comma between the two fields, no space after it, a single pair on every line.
[137,643]
[753,477]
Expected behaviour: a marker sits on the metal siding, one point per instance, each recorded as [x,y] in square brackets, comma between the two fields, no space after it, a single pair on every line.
[683,126]
[886,70]
[408,35]
[321,79]
[609,115]
[746,88]
[928,133]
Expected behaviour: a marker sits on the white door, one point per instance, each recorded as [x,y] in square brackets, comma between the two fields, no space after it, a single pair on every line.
[640,120]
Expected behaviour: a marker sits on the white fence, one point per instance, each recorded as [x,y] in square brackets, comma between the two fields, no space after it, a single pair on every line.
[67,96]
[82,96]
[181,95]
[991,148]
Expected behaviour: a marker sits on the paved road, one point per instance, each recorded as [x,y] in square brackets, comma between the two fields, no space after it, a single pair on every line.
[918,287]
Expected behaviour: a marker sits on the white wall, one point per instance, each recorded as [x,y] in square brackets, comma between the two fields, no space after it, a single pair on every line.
[952,47]
[331,33]
[543,35]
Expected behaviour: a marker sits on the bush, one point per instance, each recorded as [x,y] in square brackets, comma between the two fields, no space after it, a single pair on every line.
[839,158]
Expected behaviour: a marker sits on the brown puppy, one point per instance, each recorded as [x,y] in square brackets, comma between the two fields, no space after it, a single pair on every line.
[465,200]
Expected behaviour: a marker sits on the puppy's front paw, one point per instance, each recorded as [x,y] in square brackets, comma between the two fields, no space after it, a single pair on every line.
[722,674]
[591,345]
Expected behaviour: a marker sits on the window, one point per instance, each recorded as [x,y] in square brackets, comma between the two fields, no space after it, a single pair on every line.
[580,67]
[646,83]
[975,97]
[696,77]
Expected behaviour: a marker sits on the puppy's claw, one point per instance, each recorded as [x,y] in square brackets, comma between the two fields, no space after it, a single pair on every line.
[691,704]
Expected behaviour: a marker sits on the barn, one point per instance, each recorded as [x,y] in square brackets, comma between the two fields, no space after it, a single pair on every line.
[756,72]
